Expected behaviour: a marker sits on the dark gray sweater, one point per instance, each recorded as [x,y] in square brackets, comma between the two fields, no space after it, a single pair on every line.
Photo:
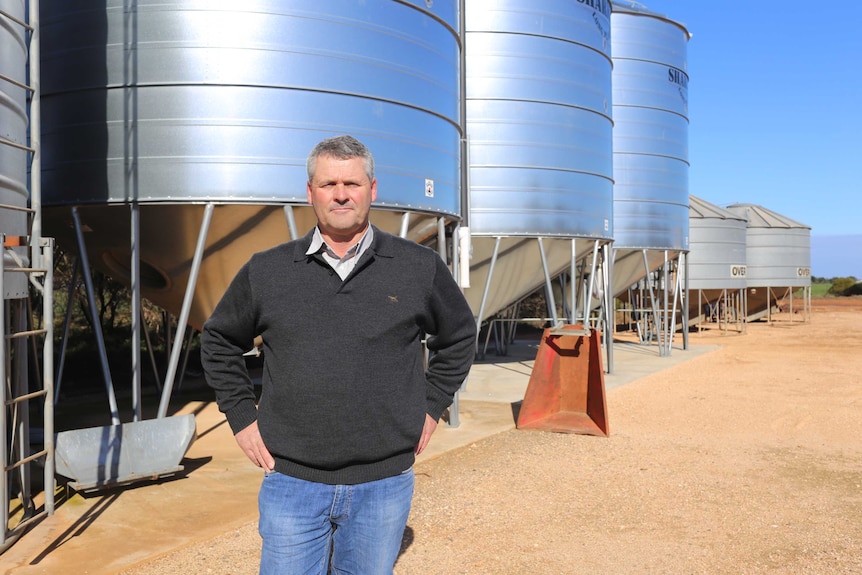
[345,389]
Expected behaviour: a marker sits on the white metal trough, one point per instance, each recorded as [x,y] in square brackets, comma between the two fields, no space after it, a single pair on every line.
[112,455]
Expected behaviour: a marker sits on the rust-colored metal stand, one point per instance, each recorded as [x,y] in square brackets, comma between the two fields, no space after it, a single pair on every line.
[566,392]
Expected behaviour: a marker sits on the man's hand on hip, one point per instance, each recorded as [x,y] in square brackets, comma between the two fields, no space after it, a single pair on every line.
[251,443]
[427,431]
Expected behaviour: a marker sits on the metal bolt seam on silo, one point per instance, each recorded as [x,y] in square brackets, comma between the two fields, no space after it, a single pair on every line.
[13,140]
[538,106]
[778,256]
[172,105]
[716,270]
[650,95]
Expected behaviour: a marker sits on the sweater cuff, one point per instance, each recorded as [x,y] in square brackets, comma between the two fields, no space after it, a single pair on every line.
[242,415]
[436,406]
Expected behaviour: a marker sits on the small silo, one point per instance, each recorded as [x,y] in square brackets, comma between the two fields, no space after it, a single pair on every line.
[778,258]
[538,105]
[716,264]
[13,140]
[650,95]
[182,105]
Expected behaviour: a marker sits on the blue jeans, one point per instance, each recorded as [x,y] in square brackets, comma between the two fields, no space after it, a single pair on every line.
[359,527]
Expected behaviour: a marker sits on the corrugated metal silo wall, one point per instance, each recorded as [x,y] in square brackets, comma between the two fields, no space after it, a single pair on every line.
[13,129]
[717,252]
[650,95]
[176,103]
[777,255]
[538,101]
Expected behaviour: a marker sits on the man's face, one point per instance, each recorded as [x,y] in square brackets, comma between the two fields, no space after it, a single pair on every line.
[341,196]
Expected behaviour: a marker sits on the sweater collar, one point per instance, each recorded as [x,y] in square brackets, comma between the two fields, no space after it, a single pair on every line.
[381,244]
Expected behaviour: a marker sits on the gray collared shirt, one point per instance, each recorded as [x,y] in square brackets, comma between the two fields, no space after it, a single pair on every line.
[342,266]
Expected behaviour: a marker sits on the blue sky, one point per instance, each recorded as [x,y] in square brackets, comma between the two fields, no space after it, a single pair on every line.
[775,111]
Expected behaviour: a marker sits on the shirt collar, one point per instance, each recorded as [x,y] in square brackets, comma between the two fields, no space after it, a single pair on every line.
[318,244]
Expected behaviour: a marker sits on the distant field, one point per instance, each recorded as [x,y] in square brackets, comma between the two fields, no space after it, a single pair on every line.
[819,290]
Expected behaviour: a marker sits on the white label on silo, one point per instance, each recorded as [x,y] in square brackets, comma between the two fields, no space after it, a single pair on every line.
[803,272]
[429,188]
[737,271]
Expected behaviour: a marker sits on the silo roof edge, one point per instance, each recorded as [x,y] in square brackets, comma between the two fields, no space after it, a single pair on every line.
[632,7]
[758,216]
[700,208]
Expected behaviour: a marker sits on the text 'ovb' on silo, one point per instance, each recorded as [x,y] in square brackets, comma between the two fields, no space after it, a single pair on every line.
[650,95]
[778,258]
[538,87]
[716,264]
[177,104]
[13,140]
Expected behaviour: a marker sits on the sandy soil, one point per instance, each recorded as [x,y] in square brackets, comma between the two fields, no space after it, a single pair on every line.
[747,460]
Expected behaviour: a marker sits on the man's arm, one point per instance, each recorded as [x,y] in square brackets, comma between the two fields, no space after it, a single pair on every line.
[226,335]
[451,341]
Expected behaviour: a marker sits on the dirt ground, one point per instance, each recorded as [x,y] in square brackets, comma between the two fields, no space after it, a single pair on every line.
[745,460]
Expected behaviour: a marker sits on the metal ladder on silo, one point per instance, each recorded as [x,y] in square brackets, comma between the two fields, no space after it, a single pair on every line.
[37,263]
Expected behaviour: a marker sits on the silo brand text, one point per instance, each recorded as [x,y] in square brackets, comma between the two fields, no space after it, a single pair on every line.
[803,272]
[677,77]
[602,6]
[737,271]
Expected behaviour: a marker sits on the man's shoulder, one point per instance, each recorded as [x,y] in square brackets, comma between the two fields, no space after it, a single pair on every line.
[387,244]
[283,252]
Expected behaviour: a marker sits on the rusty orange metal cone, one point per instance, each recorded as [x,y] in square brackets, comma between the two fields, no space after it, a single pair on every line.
[566,392]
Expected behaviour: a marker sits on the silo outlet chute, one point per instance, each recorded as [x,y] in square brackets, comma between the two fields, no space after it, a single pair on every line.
[175,134]
[650,111]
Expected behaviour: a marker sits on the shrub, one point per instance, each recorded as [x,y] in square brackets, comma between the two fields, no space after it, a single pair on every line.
[840,285]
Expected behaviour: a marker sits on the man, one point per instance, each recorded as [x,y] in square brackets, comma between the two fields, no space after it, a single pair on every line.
[347,401]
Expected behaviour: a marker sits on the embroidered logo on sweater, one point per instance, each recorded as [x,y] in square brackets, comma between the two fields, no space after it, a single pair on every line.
[393,298]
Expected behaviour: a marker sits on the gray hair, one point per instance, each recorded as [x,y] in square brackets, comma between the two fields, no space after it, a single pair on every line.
[343,148]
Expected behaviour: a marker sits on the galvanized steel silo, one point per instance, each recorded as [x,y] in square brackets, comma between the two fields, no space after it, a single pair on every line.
[538,104]
[650,95]
[175,104]
[716,261]
[778,256]
[13,138]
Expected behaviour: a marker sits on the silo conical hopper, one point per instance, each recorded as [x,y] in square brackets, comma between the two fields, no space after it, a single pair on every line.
[199,115]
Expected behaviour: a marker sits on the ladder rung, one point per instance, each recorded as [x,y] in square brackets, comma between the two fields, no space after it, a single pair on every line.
[15,82]
[20,334]
[16,20]
[19,209]
[17,145]
[32,457]
[27,270]
[25,397]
